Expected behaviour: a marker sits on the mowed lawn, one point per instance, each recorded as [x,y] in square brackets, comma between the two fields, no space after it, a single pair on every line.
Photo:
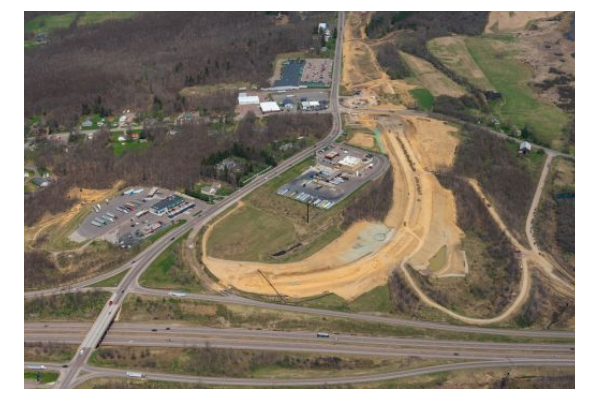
[50,22]
[496,59]
[250,235]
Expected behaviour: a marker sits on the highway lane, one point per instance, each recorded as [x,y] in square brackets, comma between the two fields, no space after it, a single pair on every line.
[183,330]
[142,261]
[94,372]
[184,336]
[324,348]
[232,299]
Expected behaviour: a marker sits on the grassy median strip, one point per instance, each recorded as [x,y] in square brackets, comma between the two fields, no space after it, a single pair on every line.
[242,363]
[148,308]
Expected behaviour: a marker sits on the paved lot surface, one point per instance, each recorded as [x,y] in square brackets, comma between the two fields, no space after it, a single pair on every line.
[325,184]
[131,227]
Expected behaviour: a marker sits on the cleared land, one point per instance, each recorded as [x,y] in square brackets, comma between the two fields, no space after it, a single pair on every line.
[431,78]
[454,54]
[414,232]
[519,104]
[510,21]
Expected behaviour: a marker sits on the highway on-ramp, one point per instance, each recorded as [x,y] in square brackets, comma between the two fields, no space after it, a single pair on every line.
[142,261]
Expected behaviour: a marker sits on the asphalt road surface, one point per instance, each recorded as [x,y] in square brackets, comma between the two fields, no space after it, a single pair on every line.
[90,337]
[157,335]
[142,261]
[93,372]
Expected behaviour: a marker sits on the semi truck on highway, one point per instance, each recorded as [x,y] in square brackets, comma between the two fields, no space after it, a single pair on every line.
[135,374]
[322,335]
[36,367]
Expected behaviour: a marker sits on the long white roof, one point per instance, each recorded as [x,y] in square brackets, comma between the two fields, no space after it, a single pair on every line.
[269,106]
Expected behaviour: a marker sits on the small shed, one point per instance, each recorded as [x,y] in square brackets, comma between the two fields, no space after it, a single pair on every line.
[524,147]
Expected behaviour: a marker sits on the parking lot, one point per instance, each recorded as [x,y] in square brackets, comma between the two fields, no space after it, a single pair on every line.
[129,218]
[339,171]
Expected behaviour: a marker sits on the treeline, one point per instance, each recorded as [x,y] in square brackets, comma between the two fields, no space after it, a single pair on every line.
[504,176]
[421,26]
[373,204]
[209,361]
[435,23]
[499,266]
[172,162]
[156,54]
[545,309]
[403,297]
[389,59]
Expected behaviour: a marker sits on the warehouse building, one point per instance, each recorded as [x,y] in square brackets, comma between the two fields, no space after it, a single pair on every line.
[244,99]
[166,204]
[269,106]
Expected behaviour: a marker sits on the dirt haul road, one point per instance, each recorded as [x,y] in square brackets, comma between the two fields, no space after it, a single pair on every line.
[327,271]
[417,233]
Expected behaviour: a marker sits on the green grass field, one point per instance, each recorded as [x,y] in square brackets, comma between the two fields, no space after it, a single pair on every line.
[249,234]
[45,377]
[519,104]
[438,261]
[121,147]
[94,17]
[424,98]
[453,53]
[168,271]
[113,281]
[50,22]
[269,223]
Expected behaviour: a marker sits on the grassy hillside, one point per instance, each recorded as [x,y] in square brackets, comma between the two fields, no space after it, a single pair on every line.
[519,105]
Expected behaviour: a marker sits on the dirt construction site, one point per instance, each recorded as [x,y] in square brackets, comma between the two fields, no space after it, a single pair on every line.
[362,258]
[419,231]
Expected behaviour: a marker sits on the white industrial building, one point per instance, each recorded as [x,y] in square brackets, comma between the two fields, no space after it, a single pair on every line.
[310,105]
[244,99]
[350,162]
[269,106]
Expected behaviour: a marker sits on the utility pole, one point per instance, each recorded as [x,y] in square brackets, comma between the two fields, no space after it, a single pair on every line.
[307,213]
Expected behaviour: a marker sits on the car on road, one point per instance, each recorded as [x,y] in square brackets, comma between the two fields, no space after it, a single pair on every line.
[110,302]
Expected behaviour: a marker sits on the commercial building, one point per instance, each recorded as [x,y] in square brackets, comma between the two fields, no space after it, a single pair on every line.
[166,204]
[244,99]
[269,106]
[311,105]
[350,162]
